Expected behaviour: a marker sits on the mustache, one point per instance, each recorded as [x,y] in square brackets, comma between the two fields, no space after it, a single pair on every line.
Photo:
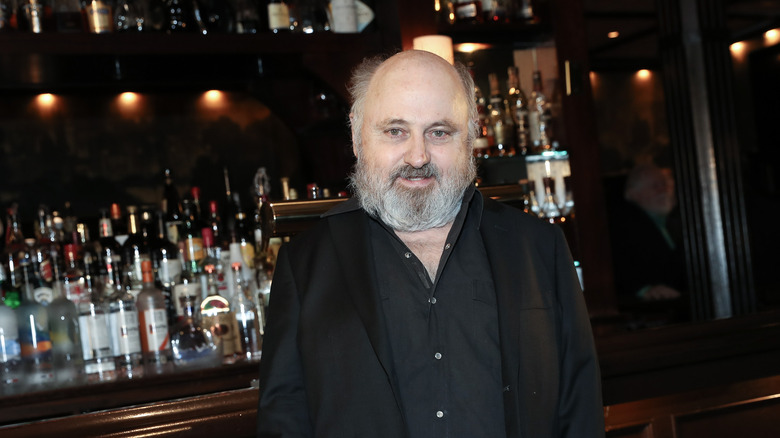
[427,170]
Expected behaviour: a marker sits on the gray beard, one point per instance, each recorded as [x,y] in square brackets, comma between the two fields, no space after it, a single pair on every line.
[408,210]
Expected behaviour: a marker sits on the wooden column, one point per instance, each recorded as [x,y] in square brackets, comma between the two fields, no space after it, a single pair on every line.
[700,106]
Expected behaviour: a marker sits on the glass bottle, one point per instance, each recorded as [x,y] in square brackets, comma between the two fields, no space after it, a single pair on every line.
[522,11]
[192,238]
[134,251]
[11,370]
[153,321]
[67,16]
[217,16]
[503,125]
[468,11]
[218,317]
[47,257]
[64,322]
[278,16]
[99,362]
[100,15]
[193,346]
[250,324]
[215,223]
[539,117]
[109,258]
[129,16]
[518,106]
[34,337]
[118,223]
[496,11]
[125,334]
[179,16]
[171,205]
[484,141]
[167,265]
[34,16]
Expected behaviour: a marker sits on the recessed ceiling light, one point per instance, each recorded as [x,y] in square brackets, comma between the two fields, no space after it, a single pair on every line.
[612,35]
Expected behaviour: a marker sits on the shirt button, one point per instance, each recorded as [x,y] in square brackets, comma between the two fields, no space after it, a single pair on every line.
[432,300]
[439,414]
[447,246]
[408,255]
[437,356]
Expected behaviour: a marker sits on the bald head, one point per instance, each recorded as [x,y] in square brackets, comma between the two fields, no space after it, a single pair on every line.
[379,77]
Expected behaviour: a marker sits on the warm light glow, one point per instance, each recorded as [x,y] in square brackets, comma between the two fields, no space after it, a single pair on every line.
[643,74]
[45,100]
[128,98]
[438,44]
[471,47]
[612,35]
[772,36]
[213,96]
[737,48]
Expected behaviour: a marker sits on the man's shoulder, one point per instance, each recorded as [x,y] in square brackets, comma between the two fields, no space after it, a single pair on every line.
[498,213]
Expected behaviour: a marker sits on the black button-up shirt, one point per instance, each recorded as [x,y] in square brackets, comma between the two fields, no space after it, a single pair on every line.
[444,333]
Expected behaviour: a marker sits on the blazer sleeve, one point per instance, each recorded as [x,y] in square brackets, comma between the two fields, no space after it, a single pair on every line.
[282,410]
[580,411]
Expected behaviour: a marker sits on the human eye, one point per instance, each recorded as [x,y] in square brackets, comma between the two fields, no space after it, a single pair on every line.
[439,134]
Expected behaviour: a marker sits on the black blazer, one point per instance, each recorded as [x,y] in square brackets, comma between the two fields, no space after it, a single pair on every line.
[326,369]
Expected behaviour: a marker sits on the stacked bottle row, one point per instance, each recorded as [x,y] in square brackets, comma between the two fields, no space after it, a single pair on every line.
[512,123]
[486,11]
[76,310]
[201,16]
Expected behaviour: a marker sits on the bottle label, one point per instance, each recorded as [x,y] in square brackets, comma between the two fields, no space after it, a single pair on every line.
[180,291]
[344,16]
[465,11]
[278,16]
[95,342]
[99,16]
[154,333]
[124,330]
[100,367]
[75,291]
[34,339]
[194,249]
[10,349]
[43,295]
[248,254]
[172,231]
[169,272]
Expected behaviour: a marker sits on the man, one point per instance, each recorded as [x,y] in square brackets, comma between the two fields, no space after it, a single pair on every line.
[418,308]
[648,259]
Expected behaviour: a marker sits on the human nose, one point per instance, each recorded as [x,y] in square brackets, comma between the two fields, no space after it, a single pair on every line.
[417,152]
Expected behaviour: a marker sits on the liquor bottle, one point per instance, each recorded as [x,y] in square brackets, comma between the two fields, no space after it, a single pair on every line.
[468,11]
[484,141]
[109,258]
[179,17]
[72,279]
[522,11]
[278,16]
[189,286]
[34,337]
[134,251]
[250,18]
[153,321]
[344,16]
[171,205]
[64,323]
[496,11]
[539,117]
[217,16]
[191,238]
[99,362]
[118,223]
[100,16]
[11,370]
[215,223]
[129,16]
[518,105]
[218,317]
[193,346]
[228,209]
[167,265]
[503,125]
[124,330]
[34,16]
[46,256]
[248,318]
[67,16]
[212,252]
[244,235]
[8,21]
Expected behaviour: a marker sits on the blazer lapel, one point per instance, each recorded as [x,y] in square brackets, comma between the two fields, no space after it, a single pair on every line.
[356,263]
[496,232]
